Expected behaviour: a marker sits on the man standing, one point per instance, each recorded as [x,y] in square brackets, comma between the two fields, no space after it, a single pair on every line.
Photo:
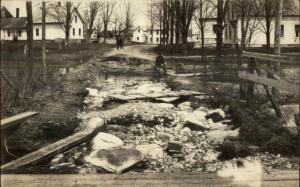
[160,63]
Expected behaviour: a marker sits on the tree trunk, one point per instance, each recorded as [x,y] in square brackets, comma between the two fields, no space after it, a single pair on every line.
[219,30]
[172,24]
[277,50]
[44,41]
[29,28]
[104,32]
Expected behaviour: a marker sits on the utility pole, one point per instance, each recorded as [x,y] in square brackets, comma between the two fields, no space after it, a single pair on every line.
[277,35]
[44,41]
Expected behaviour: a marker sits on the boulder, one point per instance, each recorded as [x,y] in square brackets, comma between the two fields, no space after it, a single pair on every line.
[233,149]
[186,106]
[220,126]
[194,120]
[167,99]
[218,136]
[211,156]
[164,137]
[174,147]
[216,115]
[94,123]
[104,141]
[117,160]
[152,151]
[57,159]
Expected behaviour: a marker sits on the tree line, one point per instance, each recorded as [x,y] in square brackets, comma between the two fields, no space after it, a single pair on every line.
[174,18]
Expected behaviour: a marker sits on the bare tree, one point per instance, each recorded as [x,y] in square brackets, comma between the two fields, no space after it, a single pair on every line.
[64,13]
[222,8]
[106,16]
[186,12]
[92,10]
[268,11]
[99,28]
[128,18]
[117,25]
[204,11]
[151,14]
[248,14]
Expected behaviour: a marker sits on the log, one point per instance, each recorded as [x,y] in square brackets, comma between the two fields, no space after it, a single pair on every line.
[200,179]
[53,149]
[271,58]
[270,82]
[15,120]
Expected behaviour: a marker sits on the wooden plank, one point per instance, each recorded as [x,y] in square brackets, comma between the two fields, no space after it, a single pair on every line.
[155,96]
[14,120]
[270,82]
[275,178]
[271,58]
[54,148]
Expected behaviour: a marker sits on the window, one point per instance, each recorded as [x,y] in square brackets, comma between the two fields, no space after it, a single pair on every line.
[75,19]
[197,38]
[281,30]
[58,3]
[297,30]
[137,38]
[17,12]
[215,28]
[157,32]
[73,31]
[139,30]
[37,32]
[8,33]
[79,32]
[157,39]
[20,33]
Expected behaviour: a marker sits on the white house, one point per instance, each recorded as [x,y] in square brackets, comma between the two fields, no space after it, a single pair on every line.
[290,32]
[13,24]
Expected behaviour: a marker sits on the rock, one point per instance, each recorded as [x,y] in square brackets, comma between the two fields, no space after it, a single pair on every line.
[211,156]
[174,147]
[186,106]
[289,112]
[57,159]
[153,151]
[104,141]
[95,122]
[84,171]
[194,120]
[218,136]
[220,126]
[233,149]
[167,99]
[165,137]
[116,159]
[216,115]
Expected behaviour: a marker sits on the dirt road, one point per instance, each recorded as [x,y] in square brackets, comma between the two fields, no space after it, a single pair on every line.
[138,51]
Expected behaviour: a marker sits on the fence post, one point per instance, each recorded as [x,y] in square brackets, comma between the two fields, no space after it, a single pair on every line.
[250,84]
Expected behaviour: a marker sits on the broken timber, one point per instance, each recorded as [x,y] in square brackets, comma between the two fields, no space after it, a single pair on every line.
[201,179]
[15,120]
[271,58]
[155,96]
[53,149]
[270,82]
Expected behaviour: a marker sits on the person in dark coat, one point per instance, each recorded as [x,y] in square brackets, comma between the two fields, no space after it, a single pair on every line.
[160,63]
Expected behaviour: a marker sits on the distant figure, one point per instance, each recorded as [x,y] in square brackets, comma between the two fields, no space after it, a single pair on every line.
[160,63]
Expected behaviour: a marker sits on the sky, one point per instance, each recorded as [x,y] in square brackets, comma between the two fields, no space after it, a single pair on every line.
[139,8]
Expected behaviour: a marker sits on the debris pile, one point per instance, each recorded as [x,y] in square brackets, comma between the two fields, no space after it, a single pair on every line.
[166,135]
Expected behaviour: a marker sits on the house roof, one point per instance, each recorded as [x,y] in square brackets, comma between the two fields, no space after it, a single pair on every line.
[13,23]
[50,19]
[5,13]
